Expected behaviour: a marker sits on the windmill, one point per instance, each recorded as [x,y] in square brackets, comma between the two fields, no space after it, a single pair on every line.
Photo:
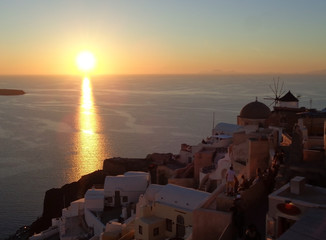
[277,90]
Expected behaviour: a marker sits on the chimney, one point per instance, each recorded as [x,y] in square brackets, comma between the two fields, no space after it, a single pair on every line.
[297,185]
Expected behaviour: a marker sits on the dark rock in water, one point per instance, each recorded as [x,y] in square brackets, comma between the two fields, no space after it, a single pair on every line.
[11,92]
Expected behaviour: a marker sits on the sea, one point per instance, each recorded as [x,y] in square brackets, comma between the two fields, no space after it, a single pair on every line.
[65,126]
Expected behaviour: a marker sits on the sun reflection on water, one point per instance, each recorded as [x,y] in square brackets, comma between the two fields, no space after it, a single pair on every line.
[89,142]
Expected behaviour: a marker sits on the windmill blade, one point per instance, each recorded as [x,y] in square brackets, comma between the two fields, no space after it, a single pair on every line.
[273,103]
[282,93]
[272,89]
[281,90]
[277,89]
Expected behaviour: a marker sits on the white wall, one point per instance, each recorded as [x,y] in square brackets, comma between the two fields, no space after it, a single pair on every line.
[94,200]
[185,156]
[96,205]
[93,222]
[76,208]
[289,104]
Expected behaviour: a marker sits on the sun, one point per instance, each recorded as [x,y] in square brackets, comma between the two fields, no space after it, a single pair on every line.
[85,61]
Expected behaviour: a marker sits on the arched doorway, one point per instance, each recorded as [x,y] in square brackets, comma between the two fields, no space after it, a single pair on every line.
[181,229]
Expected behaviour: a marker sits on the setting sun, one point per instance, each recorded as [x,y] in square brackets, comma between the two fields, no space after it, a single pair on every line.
[85,61]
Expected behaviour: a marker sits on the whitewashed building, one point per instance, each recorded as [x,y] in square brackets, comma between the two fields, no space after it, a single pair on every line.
[124,189]
[296,211]
[166,211]
[94,200]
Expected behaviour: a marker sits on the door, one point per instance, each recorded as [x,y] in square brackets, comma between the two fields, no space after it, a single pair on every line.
[181,229]
[117,199]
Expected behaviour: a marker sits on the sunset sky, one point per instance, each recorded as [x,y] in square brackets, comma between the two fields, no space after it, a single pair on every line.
[163,37]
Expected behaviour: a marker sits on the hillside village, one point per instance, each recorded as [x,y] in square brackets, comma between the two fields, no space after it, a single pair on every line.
[263,177]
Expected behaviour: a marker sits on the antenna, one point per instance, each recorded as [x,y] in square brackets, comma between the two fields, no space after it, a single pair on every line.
[310,103]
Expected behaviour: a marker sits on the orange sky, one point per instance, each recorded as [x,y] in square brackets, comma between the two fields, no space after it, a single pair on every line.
[163,38]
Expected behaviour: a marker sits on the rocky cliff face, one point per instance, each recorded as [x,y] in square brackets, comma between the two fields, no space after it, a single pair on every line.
[116,166]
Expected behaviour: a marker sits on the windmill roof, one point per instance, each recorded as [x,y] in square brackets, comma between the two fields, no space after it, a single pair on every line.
[289,97]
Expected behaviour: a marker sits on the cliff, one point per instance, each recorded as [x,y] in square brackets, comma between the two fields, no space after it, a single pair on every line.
[117,165]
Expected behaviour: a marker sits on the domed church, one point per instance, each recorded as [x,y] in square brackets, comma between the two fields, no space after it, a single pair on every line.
[254,113]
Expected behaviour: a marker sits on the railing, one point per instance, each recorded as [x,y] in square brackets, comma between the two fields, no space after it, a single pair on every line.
[128,236]
[227,233]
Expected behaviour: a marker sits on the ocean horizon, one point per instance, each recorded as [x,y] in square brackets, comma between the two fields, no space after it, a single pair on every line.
[65,126]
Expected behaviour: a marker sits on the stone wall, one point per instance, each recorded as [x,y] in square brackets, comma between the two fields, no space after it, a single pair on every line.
[209,224]
[313,155]
[315,125]
[202,159]
[258,156]
[239,148]
[184,182]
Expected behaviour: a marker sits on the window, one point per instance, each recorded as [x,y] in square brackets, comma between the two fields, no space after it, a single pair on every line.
[125,199]
[156,231]
[168,223]
[140,230]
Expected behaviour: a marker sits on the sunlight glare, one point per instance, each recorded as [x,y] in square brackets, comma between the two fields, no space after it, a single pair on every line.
[87,101]
[85,61]
[89,143]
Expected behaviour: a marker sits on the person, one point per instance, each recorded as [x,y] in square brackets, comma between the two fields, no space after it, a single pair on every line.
[230,176]
[252,233]
[258,177]
[236,185]
[244,183]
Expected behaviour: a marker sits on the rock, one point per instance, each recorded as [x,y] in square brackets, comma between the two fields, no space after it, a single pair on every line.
[160,158]
[116,166]
[10,92]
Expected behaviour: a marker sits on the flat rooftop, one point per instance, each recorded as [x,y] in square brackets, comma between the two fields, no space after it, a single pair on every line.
[312,226]
[311,194]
